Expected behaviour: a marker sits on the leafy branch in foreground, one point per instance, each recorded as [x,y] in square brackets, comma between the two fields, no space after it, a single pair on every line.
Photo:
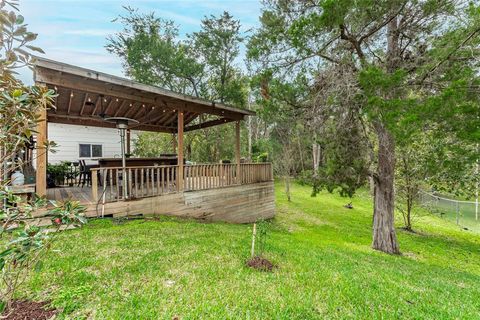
[26,244]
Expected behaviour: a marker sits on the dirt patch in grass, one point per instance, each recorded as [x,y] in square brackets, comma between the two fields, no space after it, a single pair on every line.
[29,310]
[260,263]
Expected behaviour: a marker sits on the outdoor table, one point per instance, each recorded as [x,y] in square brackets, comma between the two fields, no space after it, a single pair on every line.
[169,160]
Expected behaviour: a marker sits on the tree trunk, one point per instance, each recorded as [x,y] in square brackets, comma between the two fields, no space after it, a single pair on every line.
[384,236]
[316,153]
[287,188]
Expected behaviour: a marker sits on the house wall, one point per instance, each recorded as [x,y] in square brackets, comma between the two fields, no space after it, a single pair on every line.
[68,137]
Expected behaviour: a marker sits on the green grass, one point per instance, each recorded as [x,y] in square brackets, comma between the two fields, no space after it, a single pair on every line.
[167,268]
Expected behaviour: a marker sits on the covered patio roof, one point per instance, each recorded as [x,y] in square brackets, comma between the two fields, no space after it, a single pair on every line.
[86,97]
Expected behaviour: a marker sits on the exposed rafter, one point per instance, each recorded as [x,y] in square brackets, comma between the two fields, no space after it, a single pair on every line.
[153,107]
[207,124]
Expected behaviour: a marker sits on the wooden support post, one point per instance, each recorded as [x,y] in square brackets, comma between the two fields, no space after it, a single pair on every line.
[41,174]
[94,186]
[180,150]
[237,151]
[129,142]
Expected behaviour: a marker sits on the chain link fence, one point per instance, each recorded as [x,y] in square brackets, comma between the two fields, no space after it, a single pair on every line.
[464,213]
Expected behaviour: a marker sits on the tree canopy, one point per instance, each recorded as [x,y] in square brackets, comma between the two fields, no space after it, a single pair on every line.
[379,72]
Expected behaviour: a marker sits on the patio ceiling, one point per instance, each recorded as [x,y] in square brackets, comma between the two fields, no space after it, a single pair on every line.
[85,97]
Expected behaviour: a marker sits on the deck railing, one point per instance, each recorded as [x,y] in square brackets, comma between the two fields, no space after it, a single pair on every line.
[141,182]
[209,176]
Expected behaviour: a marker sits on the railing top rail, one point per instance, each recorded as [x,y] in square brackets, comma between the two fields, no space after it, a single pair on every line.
[257,163]
[211,164]
[187,165]
[138,167]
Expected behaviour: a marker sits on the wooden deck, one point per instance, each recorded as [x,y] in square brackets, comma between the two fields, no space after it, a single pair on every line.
[84,195]
[213,192]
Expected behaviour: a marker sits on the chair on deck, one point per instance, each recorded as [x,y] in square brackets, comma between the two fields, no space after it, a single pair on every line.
[85,174]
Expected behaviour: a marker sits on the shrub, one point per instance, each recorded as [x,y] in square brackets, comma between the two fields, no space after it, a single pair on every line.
[25,244]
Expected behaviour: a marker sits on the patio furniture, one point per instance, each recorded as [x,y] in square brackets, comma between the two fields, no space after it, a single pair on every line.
[85,173]
[164,160]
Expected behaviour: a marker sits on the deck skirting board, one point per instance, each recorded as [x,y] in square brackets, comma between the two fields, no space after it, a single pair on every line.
[235,204]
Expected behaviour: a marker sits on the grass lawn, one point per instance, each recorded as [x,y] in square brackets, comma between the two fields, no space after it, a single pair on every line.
[172,268]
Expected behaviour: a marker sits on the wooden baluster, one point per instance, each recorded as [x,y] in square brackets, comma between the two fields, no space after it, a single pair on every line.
[142,185]
[157,181]
[117,187]
[129,185]
[152,181]
[208,176]
[227,174]
[204,176]
[110,176]
[199,177]
[177,182]
[195,178]
[149,178]
[104,177]
[221,175]
[212,176]
[136,183]
[163,179]
[168,179]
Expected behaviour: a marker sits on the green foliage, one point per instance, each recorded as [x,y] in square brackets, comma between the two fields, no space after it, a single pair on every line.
[263,230]
[217,45]
[403,84]
[151,53]
[61,172]
[19,104]
[25,244]
[203,66]
[151,144]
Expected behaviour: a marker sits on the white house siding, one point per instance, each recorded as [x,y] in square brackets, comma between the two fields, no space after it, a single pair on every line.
[68,137]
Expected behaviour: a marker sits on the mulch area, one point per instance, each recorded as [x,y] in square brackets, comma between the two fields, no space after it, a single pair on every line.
[29,310]
[260,263]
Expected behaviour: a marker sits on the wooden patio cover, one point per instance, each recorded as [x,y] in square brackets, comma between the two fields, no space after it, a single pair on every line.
[85,97]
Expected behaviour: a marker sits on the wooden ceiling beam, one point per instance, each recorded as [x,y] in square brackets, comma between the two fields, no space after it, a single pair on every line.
[69,101]
[191,116]
[141,109]
[110,103]
[96,121]
[159,118]
[99,100]
[131,111]
[207,124]
[148,115]
[124,102]
[171,119]
[83,105]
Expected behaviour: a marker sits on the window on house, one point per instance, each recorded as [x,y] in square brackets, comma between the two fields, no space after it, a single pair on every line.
[87,150]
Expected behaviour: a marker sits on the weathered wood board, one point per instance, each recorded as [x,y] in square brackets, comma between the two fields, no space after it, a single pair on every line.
[234,204]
